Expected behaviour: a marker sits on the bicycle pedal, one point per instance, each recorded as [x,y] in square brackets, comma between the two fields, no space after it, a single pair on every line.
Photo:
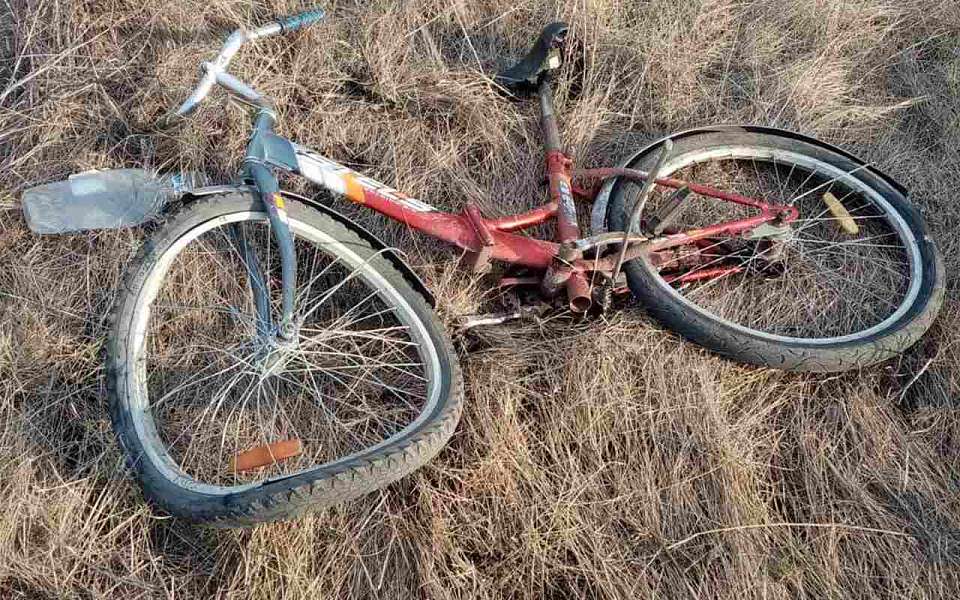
[665,215]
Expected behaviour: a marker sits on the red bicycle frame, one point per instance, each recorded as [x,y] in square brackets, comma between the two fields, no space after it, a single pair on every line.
[562,260]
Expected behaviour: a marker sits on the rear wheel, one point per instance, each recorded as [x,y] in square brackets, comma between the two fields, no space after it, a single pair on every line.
[225,421]
[853,281]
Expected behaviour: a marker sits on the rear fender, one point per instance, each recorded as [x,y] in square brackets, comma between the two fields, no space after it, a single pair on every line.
[394,255]
[598,216]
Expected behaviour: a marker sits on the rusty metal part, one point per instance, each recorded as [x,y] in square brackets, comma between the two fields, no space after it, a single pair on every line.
[680,256]
[515,281]
[561,193]
[579,294]
[606,239]
[603,296]
[659,251]
[584,194]
[604,264]
[769,231]
[548,117]
[560,269]
[648,186]
[713,273]
[567,271]
[696,188]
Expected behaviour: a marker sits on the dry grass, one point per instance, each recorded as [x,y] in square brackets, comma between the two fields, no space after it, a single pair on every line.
[596,459]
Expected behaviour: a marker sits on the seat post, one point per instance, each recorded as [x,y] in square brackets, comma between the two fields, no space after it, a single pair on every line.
[558,167]
[548,120]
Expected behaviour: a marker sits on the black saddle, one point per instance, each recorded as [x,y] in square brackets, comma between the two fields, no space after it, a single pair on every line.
[525,75]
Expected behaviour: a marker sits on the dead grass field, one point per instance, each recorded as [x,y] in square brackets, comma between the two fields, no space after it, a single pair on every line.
[603,458]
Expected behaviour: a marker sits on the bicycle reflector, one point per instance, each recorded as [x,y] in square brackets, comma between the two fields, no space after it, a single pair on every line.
[841,213]
[267,454]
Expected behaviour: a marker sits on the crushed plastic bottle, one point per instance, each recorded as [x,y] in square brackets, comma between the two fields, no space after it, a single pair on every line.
[110,199]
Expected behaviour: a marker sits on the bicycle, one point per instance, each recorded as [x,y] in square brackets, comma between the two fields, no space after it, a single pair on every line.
[268,355]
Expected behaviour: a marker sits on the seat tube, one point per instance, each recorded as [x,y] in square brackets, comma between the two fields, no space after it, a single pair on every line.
[558,168]
[269,192]
[560,272]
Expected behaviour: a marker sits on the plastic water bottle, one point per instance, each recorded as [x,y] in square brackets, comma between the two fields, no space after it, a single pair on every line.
[110,199]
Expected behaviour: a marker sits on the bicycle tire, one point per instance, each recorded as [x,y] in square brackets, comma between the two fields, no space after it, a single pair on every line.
[288,497]
[726,338]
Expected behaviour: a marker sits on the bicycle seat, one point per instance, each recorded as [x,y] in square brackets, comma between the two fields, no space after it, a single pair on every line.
[525,75]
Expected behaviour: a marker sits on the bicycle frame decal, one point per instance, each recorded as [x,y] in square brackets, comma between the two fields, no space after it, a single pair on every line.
[344,180]
[566,202]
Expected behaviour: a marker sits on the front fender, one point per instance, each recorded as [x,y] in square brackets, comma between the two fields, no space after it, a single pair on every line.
[598,215]
[393,254]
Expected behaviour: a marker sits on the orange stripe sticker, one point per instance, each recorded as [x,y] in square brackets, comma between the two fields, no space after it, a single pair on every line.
[354,190]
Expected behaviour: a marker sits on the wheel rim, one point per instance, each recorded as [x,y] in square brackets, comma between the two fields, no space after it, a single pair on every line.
[789,177]
[352,382]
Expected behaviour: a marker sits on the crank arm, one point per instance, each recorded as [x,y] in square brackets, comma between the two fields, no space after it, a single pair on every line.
[468,322]
[471,321]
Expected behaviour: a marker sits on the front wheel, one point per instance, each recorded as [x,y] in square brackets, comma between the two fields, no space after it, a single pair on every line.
[227,422]
[853,281]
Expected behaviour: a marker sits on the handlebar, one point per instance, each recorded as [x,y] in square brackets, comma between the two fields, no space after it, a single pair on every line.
[300,20]
[215,72]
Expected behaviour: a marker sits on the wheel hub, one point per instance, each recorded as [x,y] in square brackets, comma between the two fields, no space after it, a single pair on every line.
[275,353]
[274,362]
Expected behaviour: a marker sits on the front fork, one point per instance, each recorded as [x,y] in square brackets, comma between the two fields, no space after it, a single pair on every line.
[265,182]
